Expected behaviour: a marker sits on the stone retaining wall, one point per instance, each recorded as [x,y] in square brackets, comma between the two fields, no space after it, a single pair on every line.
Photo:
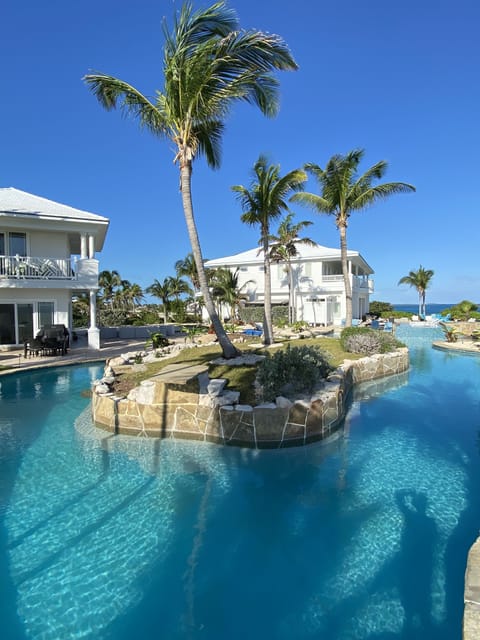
[161,408]
[471,617]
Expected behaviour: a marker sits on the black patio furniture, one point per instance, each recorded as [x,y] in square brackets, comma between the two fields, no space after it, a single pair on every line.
[51,340]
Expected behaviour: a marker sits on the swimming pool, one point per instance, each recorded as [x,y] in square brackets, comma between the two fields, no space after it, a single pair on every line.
[364,537]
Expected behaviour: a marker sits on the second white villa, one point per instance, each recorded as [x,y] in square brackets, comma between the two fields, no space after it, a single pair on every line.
[318,287]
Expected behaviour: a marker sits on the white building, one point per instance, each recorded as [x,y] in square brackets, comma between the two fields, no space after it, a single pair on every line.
[47,255]
[318,287]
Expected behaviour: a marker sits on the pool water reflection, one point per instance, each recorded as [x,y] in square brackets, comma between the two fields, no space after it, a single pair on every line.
[364,537]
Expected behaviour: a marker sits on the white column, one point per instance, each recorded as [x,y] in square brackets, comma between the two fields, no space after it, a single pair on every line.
[93,330]
[91,246]
[83,245]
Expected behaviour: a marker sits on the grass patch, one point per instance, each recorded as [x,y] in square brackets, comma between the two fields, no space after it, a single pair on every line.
[238,378]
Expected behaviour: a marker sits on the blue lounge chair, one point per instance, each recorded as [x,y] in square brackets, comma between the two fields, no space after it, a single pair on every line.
[375,324]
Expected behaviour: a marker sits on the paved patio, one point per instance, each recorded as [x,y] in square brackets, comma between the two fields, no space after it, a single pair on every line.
[77,353]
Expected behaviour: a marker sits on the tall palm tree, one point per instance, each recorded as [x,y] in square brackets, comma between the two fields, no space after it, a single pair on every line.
[420,280]
[343,191]
[262,203]
[284,247]
[162,291]
[208,64]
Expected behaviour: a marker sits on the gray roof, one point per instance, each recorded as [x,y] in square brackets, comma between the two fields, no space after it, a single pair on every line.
[16,202]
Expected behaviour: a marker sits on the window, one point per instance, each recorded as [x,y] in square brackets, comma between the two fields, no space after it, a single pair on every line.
[2,244]
[17,244]
[45,313]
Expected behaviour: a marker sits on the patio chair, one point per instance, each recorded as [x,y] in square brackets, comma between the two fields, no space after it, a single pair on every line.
[375,324]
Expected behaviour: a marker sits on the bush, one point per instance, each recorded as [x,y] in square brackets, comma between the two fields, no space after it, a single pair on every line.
[463,310]
[365,341]
[252,314]
[378,308]
[292,370]
[157,340]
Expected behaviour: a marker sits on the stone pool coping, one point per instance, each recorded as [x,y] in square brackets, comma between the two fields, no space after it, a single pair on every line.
[471,617]
[190,407]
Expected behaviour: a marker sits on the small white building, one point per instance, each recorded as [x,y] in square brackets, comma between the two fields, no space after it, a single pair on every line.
[318,291]
[47,255]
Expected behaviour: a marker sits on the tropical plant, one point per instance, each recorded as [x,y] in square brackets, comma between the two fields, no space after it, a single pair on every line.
[292,370]
[263,202]
[108,281]
[284,247]
[343,191]
[420,280]
[163,291]
[225,289]
[450,333]
[463,310]
[378,308]
[366,341]
[208,64]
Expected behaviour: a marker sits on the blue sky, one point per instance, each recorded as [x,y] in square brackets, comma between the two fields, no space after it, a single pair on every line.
[398,79]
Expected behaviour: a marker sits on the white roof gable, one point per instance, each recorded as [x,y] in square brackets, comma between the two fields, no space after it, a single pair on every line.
[16,202]
[305,252]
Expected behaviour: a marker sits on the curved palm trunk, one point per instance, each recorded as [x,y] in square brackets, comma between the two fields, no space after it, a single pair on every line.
[342,227]
[229,351]
[267,304]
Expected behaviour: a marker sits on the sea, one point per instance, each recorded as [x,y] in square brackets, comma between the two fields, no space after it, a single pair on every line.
[430,308]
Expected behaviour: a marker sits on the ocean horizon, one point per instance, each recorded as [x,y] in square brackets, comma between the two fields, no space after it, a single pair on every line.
[430,308]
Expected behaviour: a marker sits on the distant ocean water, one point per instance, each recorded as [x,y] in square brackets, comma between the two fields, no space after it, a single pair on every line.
[430,308]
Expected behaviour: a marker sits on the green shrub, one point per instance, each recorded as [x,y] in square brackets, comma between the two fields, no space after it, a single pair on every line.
[252,314]
[157,340]
[463,310]
[366,341]
[378,308]
[292,370]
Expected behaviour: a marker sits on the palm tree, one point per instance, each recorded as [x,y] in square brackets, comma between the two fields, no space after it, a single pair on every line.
[284,247]
[420,280]
[342,192]
[262,203]
[226,290]
[109,281]
[208,64]
[179,287]
[162,291]
[188,269]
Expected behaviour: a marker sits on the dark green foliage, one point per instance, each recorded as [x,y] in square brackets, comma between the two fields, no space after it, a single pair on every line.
[367,341]
[463,311]
[253,314]
[380,308]
[157,340]
[292,370]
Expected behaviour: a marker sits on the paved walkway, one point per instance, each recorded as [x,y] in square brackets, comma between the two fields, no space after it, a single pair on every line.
[78,352]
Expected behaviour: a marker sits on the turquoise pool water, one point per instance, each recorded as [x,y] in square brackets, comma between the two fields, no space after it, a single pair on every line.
[362,538]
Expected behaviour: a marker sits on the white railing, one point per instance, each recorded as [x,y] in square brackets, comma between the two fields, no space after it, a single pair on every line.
[28,267]
[334,278]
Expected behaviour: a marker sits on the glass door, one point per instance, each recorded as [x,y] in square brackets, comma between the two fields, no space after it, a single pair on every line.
[25,322]
[7,324]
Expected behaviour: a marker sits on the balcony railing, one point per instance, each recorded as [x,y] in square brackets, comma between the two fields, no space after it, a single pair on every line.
[28,267]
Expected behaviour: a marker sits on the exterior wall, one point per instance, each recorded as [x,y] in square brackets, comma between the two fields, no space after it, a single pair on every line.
[161,409]
[51,244]
[318,288]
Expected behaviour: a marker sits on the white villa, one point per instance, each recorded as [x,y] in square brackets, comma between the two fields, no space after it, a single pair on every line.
[318,289]
[47,255]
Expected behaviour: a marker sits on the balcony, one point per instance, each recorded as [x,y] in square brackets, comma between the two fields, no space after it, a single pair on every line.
[27,271]
[27,267]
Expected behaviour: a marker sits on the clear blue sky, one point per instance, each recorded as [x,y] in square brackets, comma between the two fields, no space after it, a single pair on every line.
[398,79]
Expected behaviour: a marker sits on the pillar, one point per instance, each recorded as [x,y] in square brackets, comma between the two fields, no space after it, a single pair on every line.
[83,245]
[91,246]
[93,330]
